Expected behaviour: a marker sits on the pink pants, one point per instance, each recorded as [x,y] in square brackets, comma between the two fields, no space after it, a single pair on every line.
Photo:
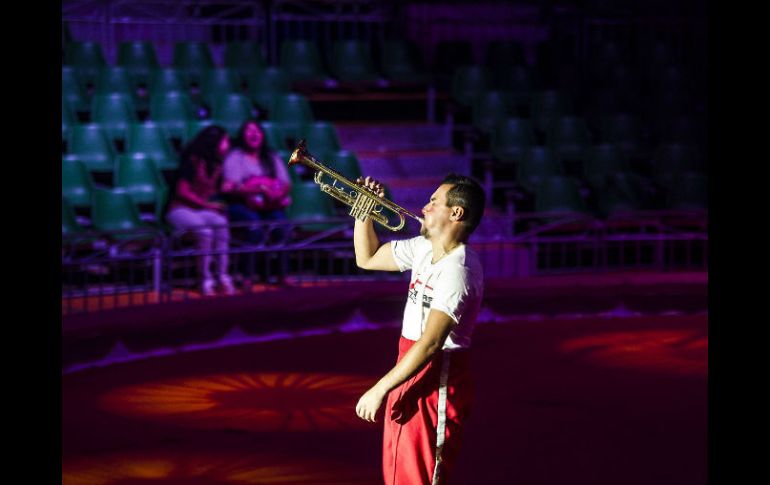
[412,418]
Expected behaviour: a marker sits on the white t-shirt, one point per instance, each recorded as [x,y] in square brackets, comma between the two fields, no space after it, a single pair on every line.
[454,285]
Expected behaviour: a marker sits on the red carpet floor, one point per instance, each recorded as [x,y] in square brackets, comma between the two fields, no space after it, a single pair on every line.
[558,401]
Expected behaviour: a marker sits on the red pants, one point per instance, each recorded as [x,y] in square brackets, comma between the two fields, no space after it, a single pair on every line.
[412,417]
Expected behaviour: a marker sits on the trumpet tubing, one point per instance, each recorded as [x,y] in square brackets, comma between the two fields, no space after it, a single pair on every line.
[363,203]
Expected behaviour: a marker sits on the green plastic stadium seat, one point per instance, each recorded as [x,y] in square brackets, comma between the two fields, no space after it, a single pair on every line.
[244,57]
[218,82]
[569,137]
[150,140]
[400,61]
[115,210]
[172,110]
[602,160]
[265,84]
[622,129]
[548,105]
[89,144]
[516,80]
[537,163]
[301,61]
[76,182]
[72,90]
[193,58]
[511,138]
[69,222]
[114,112]
[293,112]
[141,178]
[322,140]
[231,110]
[352,61]
[68,119]
[273,135]
[168,79]
[468,82]
[346,163]
[244,54]
[308,202]
[490,108]
[139,58]
[558,193]
[87,57]
[115,80]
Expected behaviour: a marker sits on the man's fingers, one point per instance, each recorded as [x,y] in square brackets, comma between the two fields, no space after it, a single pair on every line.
[373,185]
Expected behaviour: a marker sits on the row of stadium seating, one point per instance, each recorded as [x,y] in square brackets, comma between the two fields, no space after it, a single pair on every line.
[515,85]
[117,210]
[395,59]
[175,109]
[301,60]
[96,144]
[494,114]
[612,183]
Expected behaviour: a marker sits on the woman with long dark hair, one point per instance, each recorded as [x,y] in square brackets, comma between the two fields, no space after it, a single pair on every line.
[193,206]
[255,180]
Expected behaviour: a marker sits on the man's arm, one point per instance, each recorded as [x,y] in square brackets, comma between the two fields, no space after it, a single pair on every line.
[369,253]
[437,329]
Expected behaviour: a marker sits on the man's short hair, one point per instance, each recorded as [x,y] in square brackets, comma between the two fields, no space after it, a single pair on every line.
[468,194]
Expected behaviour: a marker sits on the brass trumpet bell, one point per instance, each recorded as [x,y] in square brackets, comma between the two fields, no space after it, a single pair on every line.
[363,202]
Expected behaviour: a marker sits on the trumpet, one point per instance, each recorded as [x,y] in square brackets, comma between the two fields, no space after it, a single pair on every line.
[362,201]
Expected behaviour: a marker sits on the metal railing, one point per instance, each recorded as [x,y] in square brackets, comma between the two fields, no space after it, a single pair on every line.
[102,271]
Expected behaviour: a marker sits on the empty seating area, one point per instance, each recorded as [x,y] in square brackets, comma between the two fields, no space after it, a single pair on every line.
[621,135]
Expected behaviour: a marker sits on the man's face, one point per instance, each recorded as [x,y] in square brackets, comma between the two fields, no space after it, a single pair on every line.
[436,213]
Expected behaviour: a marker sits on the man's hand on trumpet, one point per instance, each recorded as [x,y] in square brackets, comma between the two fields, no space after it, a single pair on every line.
[373,185]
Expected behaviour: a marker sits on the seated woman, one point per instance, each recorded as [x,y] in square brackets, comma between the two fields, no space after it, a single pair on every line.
[255,181]
[192,206]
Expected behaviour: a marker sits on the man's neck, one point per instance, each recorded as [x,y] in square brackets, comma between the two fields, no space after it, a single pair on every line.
[444,245]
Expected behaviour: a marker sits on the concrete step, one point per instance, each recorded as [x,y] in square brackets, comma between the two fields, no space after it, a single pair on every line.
[386,137]
[413,164]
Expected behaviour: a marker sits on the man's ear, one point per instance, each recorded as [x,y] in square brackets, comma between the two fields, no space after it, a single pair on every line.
[457,213]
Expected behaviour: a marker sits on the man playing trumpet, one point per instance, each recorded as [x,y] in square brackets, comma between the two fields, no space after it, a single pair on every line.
[427,393]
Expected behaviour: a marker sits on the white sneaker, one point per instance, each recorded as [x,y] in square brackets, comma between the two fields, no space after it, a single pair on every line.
[207,287]
[226,282]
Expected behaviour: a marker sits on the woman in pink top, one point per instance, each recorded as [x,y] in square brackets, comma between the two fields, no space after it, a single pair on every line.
[193,208]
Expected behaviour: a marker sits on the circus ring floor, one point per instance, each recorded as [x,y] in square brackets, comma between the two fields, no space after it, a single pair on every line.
[604,398]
